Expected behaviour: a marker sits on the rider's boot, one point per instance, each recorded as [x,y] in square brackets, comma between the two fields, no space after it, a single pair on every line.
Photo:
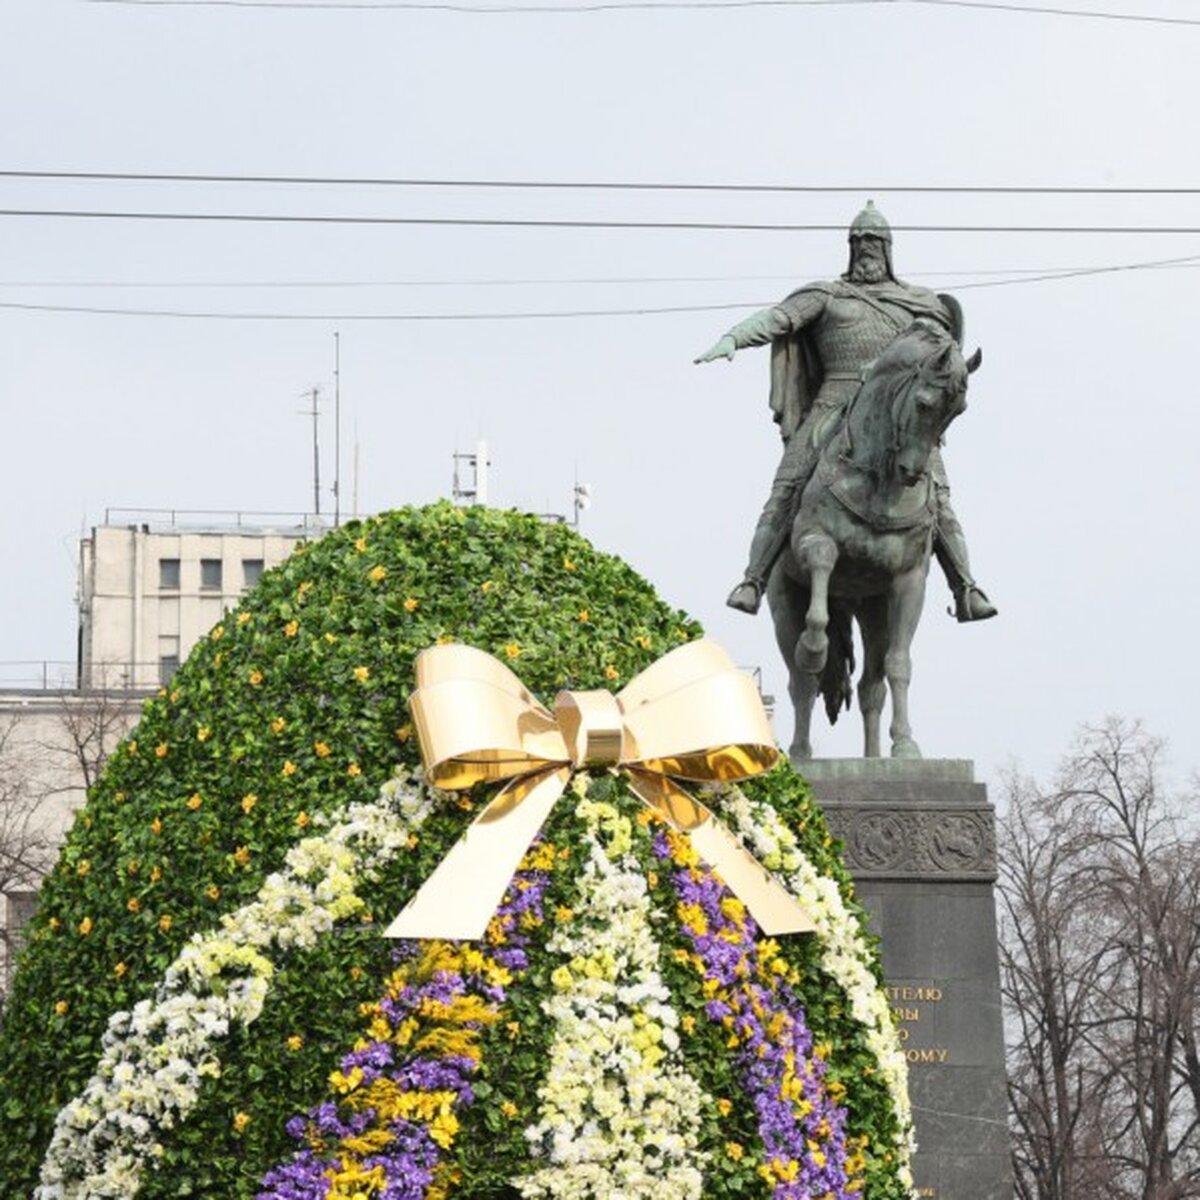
[970,600]
[769,537]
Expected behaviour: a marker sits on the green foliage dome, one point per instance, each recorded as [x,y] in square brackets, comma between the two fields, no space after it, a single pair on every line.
[206,1005]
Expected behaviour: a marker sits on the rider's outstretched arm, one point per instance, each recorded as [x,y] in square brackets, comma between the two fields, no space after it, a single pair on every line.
[779,320]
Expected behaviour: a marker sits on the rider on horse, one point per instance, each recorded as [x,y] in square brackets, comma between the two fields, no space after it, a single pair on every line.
[823,337]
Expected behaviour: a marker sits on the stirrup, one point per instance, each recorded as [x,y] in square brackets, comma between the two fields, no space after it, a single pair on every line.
[971,604]
[747,596]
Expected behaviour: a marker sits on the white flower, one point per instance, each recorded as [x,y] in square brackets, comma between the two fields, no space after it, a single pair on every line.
[154,1058]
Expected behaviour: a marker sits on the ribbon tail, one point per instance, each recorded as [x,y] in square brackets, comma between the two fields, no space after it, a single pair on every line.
[775,909]
[458,900]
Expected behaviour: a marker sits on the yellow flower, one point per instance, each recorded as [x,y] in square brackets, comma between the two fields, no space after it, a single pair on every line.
[563,913]
[84,867]
[403,733]
[119,798]
[302,820]
[611,672]
[243,617]
[642,641]
[61,1008]
[508,1108]
[194,801]
[411,603]
[568,564]
[133,866]
[360,544]
[513,650]
[241,856]
[120,970]
[377,574]
[291,629]
[85,926]
[289,767]
[156,825]
[218,658]
[486,586]
[514,1029]
[164,922]
[155,874]
[321,749]
[724,1107]
[131,747]
[213,892]
[734,1150]
[354,770]
[295,1042]
[203,733]
[162,693]
[362,674]
[249,800]
[689,1026]
[305,587]
[240,1121]
[160,751]
[256,677]
[584,616]
[218,633]
[444,639]
[54,922]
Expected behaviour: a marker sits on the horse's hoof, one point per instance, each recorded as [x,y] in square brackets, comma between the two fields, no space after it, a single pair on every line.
[746,597]
[905,747]
[800,752]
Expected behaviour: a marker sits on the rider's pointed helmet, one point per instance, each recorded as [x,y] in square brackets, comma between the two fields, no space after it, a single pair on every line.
[871,223]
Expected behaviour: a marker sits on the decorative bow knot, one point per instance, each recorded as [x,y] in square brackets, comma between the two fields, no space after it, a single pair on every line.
[690,716]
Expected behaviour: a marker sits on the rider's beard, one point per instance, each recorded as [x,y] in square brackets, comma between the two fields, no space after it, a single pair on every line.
[868,269]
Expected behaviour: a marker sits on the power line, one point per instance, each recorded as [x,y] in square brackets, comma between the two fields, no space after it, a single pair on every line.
[531,316]
[551,223]
[597,185]
[1050,272]
[614,5]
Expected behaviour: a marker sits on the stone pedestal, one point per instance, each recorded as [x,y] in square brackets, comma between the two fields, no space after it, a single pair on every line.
[920,842]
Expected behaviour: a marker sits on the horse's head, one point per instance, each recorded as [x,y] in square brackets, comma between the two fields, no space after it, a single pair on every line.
[912,392]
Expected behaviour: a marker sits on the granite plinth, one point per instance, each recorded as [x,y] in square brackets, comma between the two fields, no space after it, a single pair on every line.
[919,838]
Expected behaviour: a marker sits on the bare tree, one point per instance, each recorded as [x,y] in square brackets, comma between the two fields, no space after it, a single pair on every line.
[1100,893]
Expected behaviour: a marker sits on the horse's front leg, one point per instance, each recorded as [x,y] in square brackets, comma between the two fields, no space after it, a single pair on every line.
[872,686]
[904,611]
[818,554]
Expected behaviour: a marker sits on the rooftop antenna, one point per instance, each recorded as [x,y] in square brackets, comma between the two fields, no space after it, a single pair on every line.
[583,498]
[314,412]
[478,462]
[337,429]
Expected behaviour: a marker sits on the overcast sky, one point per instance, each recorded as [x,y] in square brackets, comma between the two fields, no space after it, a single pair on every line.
[1074,469]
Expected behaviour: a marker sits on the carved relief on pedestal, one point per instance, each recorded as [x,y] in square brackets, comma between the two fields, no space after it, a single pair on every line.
[914,840]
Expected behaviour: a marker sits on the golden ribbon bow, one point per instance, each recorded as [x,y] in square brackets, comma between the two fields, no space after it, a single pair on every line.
[690,716]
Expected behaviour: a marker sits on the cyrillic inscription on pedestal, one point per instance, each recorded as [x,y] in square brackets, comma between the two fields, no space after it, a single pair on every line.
[920,842]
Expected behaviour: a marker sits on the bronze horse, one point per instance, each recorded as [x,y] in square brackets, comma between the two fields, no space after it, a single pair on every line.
[861,539]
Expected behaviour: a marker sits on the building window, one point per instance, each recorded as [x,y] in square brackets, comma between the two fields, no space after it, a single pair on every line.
[252,569]
[210,574]
[168,574]
[168,658]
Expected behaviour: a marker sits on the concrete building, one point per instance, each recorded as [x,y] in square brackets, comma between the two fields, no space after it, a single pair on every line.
[153,582]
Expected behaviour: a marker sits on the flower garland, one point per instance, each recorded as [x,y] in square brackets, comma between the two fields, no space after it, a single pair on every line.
[801,1127]
[401,1085]
[845,955]
[619,1116]
[154,1059]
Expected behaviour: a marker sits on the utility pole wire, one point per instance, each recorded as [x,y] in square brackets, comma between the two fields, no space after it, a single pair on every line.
[615,5]
[599,185]
[551,223]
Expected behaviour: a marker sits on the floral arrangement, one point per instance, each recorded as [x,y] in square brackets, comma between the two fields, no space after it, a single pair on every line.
[205,1006]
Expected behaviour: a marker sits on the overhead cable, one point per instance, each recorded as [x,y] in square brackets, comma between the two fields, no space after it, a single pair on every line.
[552,223]
[522,316]
[599,185]
[614,5]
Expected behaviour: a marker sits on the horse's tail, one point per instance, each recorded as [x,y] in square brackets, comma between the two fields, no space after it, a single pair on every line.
[837,678]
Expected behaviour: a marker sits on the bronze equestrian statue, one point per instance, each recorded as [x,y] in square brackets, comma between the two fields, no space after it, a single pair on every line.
[822,337]
[856,519]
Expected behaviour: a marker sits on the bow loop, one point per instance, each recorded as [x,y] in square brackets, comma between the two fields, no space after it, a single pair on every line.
[690,716]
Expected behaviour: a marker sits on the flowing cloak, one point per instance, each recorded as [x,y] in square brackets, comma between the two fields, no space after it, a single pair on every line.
[796,369]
